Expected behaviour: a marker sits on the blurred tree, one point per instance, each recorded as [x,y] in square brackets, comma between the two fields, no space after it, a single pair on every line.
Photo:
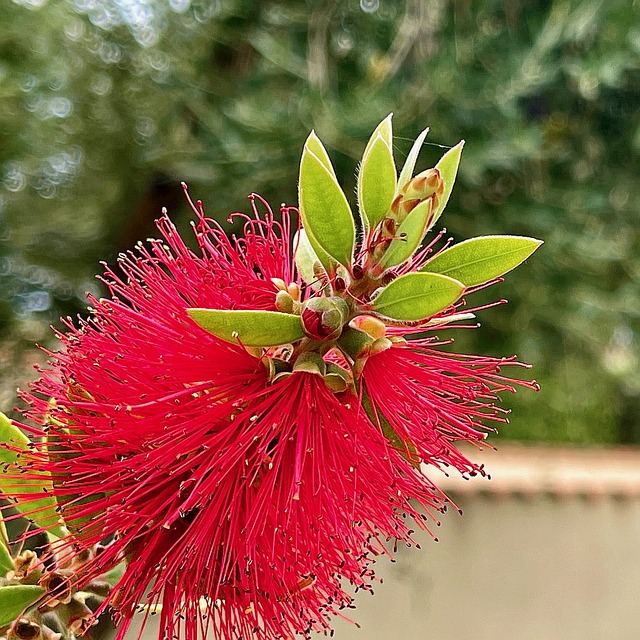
[108,104]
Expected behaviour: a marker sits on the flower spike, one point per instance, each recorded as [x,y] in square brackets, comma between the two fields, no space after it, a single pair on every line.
[234,432]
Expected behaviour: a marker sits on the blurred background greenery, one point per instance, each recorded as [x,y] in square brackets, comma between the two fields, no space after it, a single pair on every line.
[106,105]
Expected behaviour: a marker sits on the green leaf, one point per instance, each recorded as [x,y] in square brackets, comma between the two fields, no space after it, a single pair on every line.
[415,297]
[448,167]
[376,182]
[6,561]
[408,236]
[71,504]
[410,163]
[306,258]
[478,260]
[43,509]
[326,215]
[113,575]
[14,599]
[252,328]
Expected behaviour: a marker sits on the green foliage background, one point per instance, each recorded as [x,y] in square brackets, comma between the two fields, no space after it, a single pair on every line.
[107,104]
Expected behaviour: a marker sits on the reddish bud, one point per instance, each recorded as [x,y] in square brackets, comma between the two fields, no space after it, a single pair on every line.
[323,318]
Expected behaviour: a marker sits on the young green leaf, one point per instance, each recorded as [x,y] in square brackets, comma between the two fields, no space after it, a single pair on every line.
[252,328]
[306,258]
[14,599]
[376,182]
[42,510]
[408,236]
[415,297]
[478,260]
[448,167]
[410,162]
[326,215]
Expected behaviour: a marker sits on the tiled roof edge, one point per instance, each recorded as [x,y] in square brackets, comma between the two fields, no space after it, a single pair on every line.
[529,470]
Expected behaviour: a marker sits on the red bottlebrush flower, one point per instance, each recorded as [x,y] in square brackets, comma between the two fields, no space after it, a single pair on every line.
[433,399]
[246,474]
[231,498]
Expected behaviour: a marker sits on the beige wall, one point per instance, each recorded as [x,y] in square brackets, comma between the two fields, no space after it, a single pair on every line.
[537,569]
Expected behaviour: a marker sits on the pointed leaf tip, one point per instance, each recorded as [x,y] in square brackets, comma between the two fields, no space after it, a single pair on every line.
[250,327]
[325,211]
[479,260]
[413,297]
[316,147]
[412,158]
[448,167]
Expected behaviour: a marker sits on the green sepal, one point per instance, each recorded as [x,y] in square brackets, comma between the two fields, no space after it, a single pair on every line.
[14,599]
[251,327]
[448,168]
[377,176]
[414,297]
[43,510]
[354,342]
[337,378]
[325,212]
[409,236]
[310,362]
[479,260]
[406,449]
[410,163]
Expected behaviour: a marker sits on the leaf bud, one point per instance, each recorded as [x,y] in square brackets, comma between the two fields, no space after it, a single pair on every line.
[426,186]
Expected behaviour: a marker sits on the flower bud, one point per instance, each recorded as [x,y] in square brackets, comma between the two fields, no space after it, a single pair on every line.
[294,291]
[284,302]
[324,318]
